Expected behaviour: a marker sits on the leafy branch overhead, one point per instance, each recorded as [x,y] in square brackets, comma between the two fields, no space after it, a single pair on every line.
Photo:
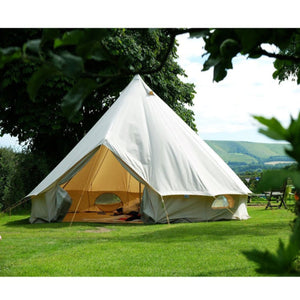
[56,83]
[90,56]
[222,45]
[97,56]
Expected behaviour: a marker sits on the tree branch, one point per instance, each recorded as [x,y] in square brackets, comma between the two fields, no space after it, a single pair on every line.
[293,59]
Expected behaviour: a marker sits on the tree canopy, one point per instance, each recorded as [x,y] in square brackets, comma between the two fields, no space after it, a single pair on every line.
[55,84]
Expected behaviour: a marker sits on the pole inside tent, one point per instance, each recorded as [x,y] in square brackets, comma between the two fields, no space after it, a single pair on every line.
[164,205]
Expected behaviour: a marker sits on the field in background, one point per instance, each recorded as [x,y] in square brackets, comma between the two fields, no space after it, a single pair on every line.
[249,156]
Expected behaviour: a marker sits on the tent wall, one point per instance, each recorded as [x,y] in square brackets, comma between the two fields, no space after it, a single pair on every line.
[189,208]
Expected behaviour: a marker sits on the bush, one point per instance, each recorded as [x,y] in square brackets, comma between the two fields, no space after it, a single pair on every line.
[19,174]
[10,185]
[276,179]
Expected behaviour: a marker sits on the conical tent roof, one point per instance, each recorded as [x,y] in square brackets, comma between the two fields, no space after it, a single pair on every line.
[145,134]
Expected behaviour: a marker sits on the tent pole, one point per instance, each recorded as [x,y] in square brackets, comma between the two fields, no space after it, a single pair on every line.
[163,202]
[75,212]
[140,191]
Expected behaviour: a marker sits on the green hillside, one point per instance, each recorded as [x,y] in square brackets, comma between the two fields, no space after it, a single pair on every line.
[243,156]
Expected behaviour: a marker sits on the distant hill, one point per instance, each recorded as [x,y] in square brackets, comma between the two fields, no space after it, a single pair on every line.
[246,156]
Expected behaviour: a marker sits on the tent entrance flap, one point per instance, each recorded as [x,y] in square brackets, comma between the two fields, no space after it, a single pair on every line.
[103,186]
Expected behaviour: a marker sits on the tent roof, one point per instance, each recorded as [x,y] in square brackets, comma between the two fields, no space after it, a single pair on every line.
[154,142]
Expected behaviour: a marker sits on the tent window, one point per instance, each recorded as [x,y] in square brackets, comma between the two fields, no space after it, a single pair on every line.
[220,202]
[107,198]
[223,201]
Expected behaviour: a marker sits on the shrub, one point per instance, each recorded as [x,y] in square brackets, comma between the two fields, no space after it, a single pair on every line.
[19,174]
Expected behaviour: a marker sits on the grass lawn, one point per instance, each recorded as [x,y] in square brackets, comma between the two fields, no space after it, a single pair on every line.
[90,249]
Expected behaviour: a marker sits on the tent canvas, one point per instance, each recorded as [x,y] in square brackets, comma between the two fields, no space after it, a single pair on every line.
[140,155]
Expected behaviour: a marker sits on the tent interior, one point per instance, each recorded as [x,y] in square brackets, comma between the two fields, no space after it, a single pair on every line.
[103,190]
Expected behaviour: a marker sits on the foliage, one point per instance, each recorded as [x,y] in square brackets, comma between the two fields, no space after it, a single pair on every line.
[275,130]
[222,45]
[19,174]
[276,180]
[286,69]
[10,184]
[56,83]
[91,249]
[286,260]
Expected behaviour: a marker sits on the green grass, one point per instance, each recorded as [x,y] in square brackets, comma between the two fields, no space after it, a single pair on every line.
[198,249]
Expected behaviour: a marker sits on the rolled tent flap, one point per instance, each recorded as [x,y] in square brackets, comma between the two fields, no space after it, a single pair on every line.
[50,206]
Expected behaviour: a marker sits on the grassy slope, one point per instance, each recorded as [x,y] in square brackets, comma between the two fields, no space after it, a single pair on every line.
[247,152]
[199,249]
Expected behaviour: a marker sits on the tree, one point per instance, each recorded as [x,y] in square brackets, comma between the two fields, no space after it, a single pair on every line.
[55,84]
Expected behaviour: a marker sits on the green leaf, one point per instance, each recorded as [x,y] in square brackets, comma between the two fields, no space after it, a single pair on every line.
[9,54]
[44,73]
[87,42]
[274,129]
[210,62]
[69,38]
[298,77]
[229,48]
[90,43]
[32,46]
[252,38]
[72,101]
[49,34]
[98,54]
[69,64]
[219,72]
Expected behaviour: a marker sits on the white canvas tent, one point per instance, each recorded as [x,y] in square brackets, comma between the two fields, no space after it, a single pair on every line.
[139,156]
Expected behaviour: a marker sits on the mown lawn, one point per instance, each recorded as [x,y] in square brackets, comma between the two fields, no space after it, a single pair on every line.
[89,249]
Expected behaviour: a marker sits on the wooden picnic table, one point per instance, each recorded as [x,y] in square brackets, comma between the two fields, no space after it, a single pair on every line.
[275,196]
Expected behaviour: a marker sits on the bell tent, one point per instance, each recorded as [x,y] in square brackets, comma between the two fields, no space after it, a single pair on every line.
[140,157]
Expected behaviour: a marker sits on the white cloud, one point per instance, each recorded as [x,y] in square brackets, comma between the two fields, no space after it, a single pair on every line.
[226,108]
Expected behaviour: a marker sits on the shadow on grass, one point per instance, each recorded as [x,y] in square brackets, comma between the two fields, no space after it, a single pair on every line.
[25,223]
[186,234]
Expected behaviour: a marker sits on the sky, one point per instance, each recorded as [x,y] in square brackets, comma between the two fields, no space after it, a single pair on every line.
[223,110]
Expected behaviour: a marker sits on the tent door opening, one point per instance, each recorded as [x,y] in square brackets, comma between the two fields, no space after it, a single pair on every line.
[103,188]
